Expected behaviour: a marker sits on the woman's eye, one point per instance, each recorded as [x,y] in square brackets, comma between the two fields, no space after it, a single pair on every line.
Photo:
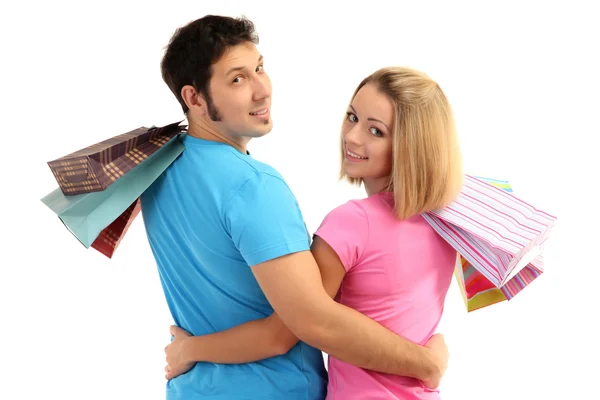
[375,131]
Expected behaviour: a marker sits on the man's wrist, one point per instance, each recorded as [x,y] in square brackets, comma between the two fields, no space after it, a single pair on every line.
[191,350]
[431,366]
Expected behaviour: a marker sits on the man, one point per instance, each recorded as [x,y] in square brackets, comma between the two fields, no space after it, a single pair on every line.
[230,241]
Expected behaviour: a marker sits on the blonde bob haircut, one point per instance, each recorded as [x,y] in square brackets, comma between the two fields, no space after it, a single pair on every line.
[426,160]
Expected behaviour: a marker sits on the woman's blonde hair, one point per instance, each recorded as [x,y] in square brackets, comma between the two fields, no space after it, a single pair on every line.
[426,160]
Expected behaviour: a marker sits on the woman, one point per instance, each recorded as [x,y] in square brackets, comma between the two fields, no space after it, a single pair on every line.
[376,255]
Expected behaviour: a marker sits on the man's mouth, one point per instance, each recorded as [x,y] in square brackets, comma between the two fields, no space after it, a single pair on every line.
[260,112]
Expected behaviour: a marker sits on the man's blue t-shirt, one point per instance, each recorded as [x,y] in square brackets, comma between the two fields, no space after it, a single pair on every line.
[209,217]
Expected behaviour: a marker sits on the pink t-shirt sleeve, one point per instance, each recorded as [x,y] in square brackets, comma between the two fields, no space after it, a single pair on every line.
[346,230]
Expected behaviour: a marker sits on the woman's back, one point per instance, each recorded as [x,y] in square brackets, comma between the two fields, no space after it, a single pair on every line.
[397,273]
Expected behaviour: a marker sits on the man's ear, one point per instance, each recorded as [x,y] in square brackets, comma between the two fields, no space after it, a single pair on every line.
[194,100]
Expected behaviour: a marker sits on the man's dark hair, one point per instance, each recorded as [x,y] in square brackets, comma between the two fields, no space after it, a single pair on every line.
[195,47]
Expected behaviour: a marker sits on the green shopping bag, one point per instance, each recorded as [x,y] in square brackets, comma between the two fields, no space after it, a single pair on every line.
[87,215]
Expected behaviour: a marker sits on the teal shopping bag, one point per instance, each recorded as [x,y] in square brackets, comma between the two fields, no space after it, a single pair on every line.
[86,215]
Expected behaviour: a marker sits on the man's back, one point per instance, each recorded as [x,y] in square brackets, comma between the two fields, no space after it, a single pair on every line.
[209,217]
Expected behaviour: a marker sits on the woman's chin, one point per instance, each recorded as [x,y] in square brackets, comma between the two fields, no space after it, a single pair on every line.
[351,174]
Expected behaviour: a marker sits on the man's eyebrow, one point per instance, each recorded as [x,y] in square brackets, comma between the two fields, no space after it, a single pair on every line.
[234,69]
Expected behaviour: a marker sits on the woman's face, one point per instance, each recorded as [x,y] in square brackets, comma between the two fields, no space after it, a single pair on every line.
[367,137]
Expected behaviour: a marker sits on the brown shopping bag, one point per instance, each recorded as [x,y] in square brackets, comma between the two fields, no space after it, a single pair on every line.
[96,167]
[101,219]
[109,239]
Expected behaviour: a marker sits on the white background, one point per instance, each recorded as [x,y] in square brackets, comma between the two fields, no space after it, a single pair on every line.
[523,81]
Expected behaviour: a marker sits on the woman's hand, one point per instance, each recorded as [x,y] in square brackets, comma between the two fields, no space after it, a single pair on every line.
[177,363]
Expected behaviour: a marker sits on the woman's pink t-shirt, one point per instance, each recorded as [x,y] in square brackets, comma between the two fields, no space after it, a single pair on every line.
[398,274]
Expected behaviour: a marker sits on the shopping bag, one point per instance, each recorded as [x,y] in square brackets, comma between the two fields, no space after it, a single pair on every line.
[499,239]
[87,215]
[111,236]
[96,167]
[478,292]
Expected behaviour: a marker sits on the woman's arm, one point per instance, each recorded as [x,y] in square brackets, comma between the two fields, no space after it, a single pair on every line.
[253,340]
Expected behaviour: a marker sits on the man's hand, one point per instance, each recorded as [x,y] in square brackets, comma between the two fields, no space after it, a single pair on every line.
[440,356]
[177,363]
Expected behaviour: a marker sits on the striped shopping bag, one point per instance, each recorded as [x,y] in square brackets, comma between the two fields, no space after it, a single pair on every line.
[499,239]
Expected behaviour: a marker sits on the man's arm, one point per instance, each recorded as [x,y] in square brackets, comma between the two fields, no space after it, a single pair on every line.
[292,284]
[332,273]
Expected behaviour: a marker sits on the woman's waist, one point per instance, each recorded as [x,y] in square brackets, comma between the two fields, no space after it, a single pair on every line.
[349,382]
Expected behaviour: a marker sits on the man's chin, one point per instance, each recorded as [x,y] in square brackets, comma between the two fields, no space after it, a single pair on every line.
[262,131]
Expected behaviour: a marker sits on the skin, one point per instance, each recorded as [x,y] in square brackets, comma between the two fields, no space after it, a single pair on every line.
[239,88]
[367,133]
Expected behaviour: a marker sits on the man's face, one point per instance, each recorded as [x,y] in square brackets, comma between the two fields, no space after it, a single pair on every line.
[240,93]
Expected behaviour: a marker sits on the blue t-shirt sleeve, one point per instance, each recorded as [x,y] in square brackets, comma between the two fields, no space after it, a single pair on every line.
[264,220]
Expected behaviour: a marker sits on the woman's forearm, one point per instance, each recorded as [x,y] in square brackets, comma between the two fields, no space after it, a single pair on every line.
[248,342]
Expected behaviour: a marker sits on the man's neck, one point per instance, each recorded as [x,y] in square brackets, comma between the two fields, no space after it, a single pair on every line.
[203,130]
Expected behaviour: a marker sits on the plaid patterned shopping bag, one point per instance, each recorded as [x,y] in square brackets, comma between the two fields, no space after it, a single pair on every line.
[101,219]
[98,166]
[109,239]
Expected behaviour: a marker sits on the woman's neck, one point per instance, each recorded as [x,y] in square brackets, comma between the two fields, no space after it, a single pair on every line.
[376,185]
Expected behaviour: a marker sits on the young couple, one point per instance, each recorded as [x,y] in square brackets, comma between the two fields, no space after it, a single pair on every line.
[253,300]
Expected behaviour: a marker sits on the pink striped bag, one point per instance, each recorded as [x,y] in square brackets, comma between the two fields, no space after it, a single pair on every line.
[500,236]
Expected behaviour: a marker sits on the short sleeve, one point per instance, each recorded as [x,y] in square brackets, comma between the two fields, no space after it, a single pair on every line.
[346,230]
[264,220]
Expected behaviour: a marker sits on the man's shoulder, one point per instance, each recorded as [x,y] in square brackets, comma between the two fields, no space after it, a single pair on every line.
[243,167]
[222,167]
[263,170]
[264,182]
[261,185]
[250,172]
